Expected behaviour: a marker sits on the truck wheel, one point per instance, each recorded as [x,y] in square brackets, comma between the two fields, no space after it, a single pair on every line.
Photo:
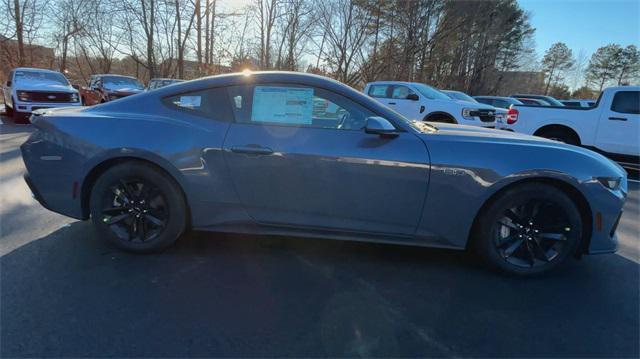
[560,134]
[8,110]
[440,118]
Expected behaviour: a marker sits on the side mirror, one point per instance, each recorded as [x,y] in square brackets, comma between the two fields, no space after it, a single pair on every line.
[413,97]
[376,125]
[8,83]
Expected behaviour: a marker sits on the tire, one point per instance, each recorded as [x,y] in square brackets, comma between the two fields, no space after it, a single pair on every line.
[561,134]
[440,118]
[137,207]
[8,111]
[529,229]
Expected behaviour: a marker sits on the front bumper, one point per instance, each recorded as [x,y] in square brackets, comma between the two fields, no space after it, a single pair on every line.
[28,107]
[606,207]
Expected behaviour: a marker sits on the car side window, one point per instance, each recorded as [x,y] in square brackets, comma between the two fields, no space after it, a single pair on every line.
[294,105]
[379,91]
[626,102]
[400,92]
[211,103]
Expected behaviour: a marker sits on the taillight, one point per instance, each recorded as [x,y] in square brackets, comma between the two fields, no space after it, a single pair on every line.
[512,116]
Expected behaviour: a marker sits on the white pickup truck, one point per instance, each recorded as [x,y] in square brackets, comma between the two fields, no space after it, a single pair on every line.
[30,89]
[611,126]
[418,101]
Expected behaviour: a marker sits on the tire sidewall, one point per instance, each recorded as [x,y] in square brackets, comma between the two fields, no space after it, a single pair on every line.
[176,222]
[485,240]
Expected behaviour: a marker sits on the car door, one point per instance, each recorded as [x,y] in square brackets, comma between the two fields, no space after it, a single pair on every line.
[401,102]
[293,164]
[619,128]
[91,93]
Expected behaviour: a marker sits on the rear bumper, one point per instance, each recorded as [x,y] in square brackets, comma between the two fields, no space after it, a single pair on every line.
[51,180]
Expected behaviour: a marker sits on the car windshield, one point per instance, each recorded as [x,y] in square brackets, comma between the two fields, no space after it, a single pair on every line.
[22,77]
[118,83]
[457,95]
[430,93]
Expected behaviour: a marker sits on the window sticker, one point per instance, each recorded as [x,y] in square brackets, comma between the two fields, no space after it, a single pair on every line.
[292,105]
[190,101]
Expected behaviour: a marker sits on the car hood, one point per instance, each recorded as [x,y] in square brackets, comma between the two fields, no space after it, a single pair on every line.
[125,90]
[462,133]
[44,86]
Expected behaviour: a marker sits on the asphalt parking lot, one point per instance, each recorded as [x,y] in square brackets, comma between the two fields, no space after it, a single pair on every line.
[65,293]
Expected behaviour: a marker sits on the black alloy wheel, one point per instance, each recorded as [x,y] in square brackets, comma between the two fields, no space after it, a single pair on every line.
[138,207]
[532,235]
[137,211]
[529,229]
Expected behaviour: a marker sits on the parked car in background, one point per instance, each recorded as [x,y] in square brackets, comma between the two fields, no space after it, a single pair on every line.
[249,154]
[105,88]
[29,89]
[533,101]
[157,83]
[498,101]
[547,99]
[458,95]
[578,103]
[418,101]
[612,126]
[501,113]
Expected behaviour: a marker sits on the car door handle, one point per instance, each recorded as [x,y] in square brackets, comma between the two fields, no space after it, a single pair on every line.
[392,103]
[617,118]
[252,150]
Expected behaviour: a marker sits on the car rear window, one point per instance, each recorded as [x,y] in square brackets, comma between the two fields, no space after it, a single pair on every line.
[211,103]
[626,102]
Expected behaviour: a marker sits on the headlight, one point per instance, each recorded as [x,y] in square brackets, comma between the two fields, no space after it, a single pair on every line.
[74,97]
[612,183]
[23,96]
[466,113]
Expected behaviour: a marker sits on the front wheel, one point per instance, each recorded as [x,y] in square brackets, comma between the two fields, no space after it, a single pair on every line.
[137,207]
[529,229]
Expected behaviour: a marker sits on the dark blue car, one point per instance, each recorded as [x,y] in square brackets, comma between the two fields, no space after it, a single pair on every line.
[298,154]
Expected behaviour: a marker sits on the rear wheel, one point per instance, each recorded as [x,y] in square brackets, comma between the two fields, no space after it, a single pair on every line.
[137,207]
[440,118]
[529,229]
[560,134]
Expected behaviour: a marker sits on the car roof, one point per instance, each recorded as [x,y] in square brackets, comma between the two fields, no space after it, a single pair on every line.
[35,69]
[391,83]
[165,79]
[113,75]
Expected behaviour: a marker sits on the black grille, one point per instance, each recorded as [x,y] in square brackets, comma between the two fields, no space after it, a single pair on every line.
[485,115]
[50,97]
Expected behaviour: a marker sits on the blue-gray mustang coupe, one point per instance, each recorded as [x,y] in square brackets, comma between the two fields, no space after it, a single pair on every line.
[298,154]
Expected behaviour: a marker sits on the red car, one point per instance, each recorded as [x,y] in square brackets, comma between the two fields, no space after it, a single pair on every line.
[105,88]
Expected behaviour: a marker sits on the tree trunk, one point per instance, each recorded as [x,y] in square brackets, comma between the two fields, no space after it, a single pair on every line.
[180,48]
[198,34]
[19,32]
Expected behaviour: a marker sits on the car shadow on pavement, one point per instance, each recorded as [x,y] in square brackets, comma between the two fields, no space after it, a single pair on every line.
[69,294]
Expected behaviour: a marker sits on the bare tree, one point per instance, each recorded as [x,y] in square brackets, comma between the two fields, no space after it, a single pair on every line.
[347,27]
